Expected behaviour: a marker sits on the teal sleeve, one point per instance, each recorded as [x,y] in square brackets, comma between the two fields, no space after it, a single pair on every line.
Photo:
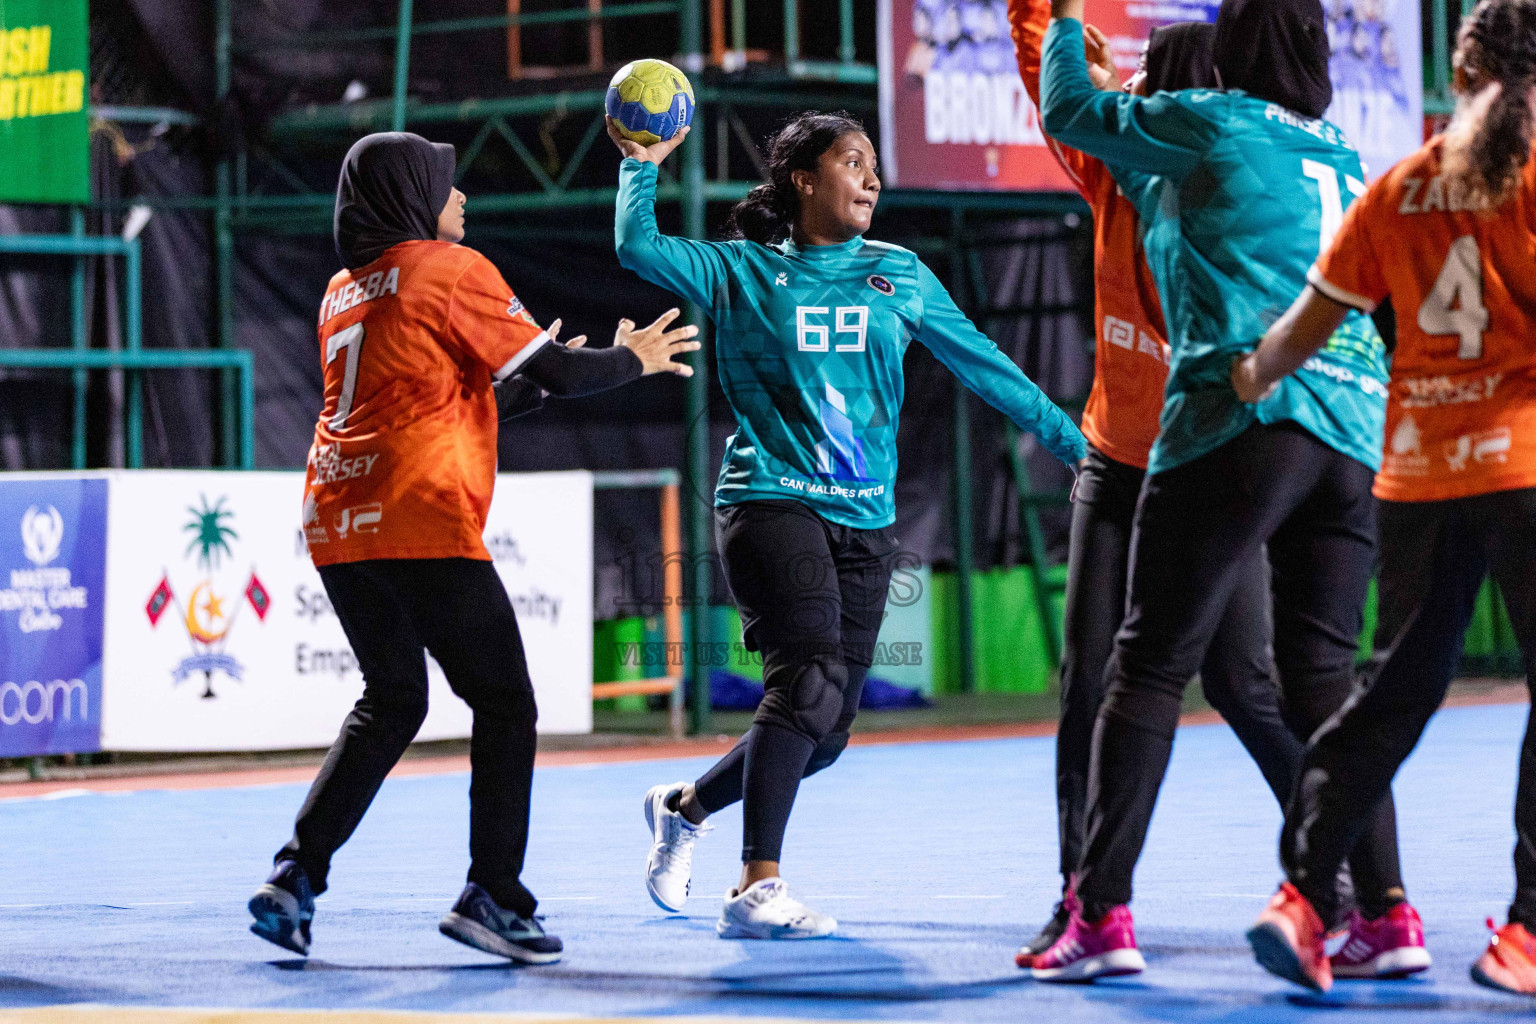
[697,271]
[1164,135]
[982,367]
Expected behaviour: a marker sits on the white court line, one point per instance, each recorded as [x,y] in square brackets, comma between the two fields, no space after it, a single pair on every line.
[966,897]
[1238,895]
[97,903]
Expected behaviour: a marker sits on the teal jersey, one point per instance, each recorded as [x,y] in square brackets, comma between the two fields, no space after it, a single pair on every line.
[809,341]
[1236,197]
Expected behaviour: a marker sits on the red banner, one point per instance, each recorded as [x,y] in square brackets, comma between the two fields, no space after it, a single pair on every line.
[954,114]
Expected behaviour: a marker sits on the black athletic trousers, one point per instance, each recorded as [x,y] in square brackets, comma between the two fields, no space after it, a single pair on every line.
[1236,675]
[393,611]
[1197,526]
[812,596]
[1435,556]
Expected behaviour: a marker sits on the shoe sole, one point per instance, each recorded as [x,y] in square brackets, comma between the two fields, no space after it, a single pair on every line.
[651,797]
[277,919]
[1487,980]
[476,935]
[1273,950]
[1117,963]
[1402,962]
[732,930]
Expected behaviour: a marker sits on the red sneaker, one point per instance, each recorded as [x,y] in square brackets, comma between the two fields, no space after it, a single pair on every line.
[1509,963]
[1287,941]
[1103,949]
[1391,946]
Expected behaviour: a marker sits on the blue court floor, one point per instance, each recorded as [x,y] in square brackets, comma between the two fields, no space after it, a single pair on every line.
[938,859]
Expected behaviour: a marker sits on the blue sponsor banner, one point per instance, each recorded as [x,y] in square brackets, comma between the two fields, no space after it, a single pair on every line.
[53,543]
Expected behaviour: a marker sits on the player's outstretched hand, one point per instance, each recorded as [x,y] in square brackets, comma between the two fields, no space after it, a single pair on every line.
[1245,380]
[655,345]
[1101,60]
[554,335]
[652,154]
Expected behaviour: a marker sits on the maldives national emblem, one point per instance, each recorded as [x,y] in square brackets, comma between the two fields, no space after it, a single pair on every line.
[212,610]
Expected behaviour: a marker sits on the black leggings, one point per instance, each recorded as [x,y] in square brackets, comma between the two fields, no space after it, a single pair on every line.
[393,611]
[1236,675]
[1197,526]
[1435,556]
[812,596]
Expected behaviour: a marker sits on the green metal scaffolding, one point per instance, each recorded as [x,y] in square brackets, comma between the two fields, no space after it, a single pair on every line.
[236,366]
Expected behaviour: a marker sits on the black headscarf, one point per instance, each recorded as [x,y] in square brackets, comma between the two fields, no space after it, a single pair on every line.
[393,186]
[1182,56]
[1276,50]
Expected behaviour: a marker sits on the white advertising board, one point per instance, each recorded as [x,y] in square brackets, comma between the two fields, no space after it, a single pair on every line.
[219,635]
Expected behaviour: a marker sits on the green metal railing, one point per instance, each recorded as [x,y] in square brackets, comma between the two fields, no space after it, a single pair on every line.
[1438,98]
[133,358]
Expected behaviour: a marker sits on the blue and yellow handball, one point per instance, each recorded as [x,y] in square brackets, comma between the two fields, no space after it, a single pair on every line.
[650,101]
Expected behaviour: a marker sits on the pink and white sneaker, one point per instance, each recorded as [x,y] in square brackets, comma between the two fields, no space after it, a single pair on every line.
[1103,949]
[1391,946]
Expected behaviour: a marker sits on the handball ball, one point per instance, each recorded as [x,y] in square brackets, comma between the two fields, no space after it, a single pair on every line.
[651,101]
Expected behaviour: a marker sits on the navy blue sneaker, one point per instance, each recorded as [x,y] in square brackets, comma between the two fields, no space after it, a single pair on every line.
[284,907]
[477,920]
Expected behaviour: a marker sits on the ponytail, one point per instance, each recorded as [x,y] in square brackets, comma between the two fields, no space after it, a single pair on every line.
[764,216]
[1489,142]
[768,213]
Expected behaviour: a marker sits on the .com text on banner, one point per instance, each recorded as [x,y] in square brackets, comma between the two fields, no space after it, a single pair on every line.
[52,556]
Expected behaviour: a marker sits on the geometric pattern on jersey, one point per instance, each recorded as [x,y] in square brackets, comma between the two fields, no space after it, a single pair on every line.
[1236,197]
[808,343]
[841,455]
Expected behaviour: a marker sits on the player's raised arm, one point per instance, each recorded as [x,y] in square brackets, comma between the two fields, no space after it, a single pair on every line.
[692,269]
[1161,135]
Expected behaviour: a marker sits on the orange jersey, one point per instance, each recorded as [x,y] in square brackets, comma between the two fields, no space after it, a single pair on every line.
[404,458]
[1130,354]
[1461,419]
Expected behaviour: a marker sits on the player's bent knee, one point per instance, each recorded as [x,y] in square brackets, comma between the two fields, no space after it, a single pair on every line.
[810,703]
[827,752]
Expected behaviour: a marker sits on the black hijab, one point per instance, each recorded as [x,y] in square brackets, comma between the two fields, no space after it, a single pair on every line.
[1276,50]
[1182,56]
[393,186]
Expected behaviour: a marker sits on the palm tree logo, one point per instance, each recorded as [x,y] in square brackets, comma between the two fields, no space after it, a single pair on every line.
[210,533]
[207,615]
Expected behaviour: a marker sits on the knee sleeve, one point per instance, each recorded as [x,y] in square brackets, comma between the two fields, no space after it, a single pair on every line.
[810,702]
[826,752]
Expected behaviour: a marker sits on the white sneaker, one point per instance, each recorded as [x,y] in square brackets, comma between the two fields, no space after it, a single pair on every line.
[767,911]
[669,868]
